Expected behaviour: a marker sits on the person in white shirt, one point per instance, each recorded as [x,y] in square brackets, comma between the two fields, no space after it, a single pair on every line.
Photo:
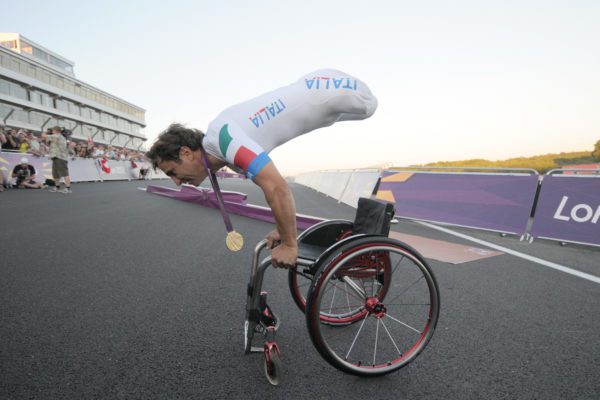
[242,136]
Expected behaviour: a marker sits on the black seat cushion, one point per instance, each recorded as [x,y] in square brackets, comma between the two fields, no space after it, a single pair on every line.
[310,251]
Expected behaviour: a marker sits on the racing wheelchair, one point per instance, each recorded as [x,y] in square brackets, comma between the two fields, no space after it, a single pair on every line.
[371,302]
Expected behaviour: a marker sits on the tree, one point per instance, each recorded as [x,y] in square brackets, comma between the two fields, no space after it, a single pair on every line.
[596,152]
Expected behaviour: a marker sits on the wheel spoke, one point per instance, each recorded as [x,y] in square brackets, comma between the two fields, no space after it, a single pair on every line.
[349,307]
[397,265]
[340,330]
[406,290]
[376,337]
[349,292]
[402,323]
[332,299]
[356,337]
[348,300]
[391,338]
[356,288]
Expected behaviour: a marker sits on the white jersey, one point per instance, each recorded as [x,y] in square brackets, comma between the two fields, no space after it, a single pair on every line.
[243,134]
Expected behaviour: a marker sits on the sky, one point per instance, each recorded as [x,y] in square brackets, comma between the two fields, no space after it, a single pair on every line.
[455,80]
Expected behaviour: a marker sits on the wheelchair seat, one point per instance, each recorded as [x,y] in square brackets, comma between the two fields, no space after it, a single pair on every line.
[373,217]
[310,252]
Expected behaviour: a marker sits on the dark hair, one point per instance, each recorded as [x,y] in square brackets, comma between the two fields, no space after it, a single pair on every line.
[166,147]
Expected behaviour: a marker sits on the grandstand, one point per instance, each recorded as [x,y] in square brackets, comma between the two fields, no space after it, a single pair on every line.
[38,90]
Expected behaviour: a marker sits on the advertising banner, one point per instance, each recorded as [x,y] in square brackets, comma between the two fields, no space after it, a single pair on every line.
[492,201]
[568,209]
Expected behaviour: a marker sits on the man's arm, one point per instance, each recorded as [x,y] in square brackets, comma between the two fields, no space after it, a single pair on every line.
[281,201]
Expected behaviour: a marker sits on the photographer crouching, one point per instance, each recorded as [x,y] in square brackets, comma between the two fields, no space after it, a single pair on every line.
[24,174]
[60,157]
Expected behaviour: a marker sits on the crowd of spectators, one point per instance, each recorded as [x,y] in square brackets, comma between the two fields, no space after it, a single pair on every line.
[24,141]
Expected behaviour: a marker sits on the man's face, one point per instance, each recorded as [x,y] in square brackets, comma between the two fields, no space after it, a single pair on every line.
[188,169]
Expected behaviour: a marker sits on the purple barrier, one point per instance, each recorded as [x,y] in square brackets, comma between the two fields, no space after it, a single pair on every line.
[568,209]
[221,174]
[497,202]
[235,203]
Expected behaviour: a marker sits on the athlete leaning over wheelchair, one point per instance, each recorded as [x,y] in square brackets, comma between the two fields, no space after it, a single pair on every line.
[242,136]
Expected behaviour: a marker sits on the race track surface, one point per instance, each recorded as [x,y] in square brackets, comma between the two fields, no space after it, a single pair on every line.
[114,293]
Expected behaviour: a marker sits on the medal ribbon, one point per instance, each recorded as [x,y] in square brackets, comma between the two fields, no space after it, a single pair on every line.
[215,185]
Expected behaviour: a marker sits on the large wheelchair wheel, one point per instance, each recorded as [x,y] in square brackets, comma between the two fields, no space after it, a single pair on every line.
[394,306]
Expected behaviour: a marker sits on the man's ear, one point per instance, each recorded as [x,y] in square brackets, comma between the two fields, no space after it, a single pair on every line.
[185,153]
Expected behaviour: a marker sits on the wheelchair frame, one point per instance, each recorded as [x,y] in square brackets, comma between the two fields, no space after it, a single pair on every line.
[322,249]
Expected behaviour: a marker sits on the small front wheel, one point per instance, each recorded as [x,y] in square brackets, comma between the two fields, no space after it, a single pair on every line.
[272,363]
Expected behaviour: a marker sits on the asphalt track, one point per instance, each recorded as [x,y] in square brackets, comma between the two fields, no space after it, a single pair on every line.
[113,293]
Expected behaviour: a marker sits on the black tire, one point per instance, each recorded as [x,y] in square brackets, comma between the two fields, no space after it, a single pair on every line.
[403,300]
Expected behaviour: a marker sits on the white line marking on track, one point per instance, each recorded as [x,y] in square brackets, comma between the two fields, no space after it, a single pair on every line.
[545,263]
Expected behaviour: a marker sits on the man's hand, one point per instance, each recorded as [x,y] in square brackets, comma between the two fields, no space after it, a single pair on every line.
[284,256]
[273,239]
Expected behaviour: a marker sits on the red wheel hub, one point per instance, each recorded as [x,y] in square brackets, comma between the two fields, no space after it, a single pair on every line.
[375,307]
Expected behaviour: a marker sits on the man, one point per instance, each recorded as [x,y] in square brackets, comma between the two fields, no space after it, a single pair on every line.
[60,158]
[34,145]
[23,141]
[241,136]
[12,142]
[24,174]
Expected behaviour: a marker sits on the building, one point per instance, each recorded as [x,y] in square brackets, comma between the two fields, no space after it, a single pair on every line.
[38,90]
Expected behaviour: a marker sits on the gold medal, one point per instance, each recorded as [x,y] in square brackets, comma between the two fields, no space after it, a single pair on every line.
[234,241]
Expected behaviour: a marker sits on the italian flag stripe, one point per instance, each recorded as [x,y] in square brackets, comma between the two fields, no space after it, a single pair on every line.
[224,139]
[243,157]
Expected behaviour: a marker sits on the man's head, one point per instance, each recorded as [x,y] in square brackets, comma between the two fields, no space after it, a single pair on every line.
[24,161]
[176,152]
[56,130]
[170,142]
